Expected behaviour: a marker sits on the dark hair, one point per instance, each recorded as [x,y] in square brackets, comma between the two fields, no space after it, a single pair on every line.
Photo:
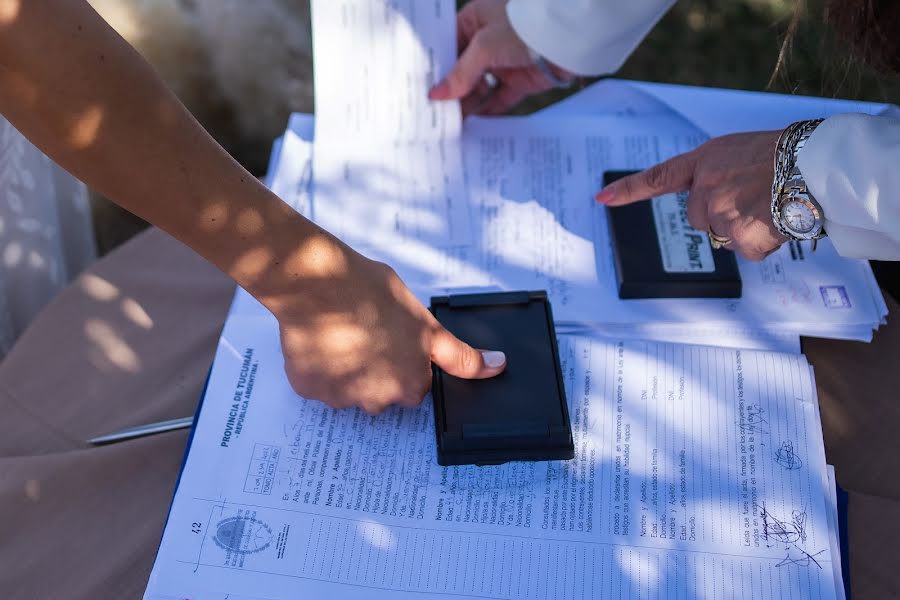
[870,27]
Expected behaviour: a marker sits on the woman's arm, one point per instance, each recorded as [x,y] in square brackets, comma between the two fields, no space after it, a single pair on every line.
[352,333]
[78,91]
[851,164]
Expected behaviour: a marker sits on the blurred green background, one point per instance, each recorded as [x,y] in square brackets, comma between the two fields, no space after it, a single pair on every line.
[736,44]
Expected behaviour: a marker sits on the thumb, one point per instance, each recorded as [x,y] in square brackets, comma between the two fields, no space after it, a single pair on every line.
[462,360]
[464,75]
[673,175]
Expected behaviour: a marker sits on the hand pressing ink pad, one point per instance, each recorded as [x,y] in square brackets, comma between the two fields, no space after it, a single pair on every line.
[519,415]
[659,255]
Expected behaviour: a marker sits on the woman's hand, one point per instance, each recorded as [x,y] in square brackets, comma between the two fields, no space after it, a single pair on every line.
[488,44]
[730,184]
[354,335]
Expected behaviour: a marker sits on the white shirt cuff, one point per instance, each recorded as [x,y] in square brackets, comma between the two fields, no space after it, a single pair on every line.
[850,164]
[586,37]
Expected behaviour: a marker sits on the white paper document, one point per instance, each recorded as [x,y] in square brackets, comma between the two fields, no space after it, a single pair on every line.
[715,111]
[719,112]
[535,226]
[388,164]
[699,473]
[392,195]
[375,61]
[834,535]
[531,184]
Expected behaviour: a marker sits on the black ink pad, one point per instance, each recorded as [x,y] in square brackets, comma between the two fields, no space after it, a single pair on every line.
[519,415]
[658,255]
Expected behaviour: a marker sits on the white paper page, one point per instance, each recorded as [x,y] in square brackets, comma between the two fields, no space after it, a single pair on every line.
[274,156]
[302,125]
[722,111]
[834,535]
[394,194]
[769,334]
[682,486]
[293,182]
[536,226]
[429,270]
[830,487]
[388,166]
[374,62]
[608,96]
[290,173]
[715,111]
[698,334]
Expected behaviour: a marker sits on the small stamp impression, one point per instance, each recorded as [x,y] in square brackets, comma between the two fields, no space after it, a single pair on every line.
[835,296]
[243,535]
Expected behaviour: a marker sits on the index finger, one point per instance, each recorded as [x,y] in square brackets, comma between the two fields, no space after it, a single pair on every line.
[467,24]
[464,75]
[673,175]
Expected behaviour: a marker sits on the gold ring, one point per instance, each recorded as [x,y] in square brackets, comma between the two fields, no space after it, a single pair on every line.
[715,240]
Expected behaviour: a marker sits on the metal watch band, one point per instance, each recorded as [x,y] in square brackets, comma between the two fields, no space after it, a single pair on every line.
[788,180]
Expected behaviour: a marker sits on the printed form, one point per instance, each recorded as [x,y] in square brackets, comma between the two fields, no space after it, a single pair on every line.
[699,473]
[291,178]
[388,162]
[535,226]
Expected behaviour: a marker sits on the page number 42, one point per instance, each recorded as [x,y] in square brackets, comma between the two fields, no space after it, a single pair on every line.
[195,527]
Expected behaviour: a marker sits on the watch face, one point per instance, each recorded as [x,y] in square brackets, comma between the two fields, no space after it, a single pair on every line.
[798,216]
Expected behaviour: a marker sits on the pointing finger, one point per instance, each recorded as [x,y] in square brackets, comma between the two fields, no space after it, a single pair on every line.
[467,25]
[673,175]
[465,74]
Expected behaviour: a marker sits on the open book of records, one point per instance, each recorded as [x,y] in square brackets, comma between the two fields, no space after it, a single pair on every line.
[698,472]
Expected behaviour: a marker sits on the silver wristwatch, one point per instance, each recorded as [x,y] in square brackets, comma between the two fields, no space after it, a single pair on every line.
[795,211]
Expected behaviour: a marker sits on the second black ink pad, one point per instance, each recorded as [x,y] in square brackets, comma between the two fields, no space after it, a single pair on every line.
[659,255]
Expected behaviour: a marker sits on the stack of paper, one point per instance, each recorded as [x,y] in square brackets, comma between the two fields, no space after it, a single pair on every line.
[534,226]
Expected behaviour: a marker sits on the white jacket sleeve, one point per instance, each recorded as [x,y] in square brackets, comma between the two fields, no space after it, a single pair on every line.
[851,164]
[586,37]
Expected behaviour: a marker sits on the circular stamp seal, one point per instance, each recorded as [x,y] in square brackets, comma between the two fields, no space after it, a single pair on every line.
[243,535]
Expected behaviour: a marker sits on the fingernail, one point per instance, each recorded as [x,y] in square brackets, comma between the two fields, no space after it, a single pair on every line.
[606,195]
[493,359]
[439,91]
